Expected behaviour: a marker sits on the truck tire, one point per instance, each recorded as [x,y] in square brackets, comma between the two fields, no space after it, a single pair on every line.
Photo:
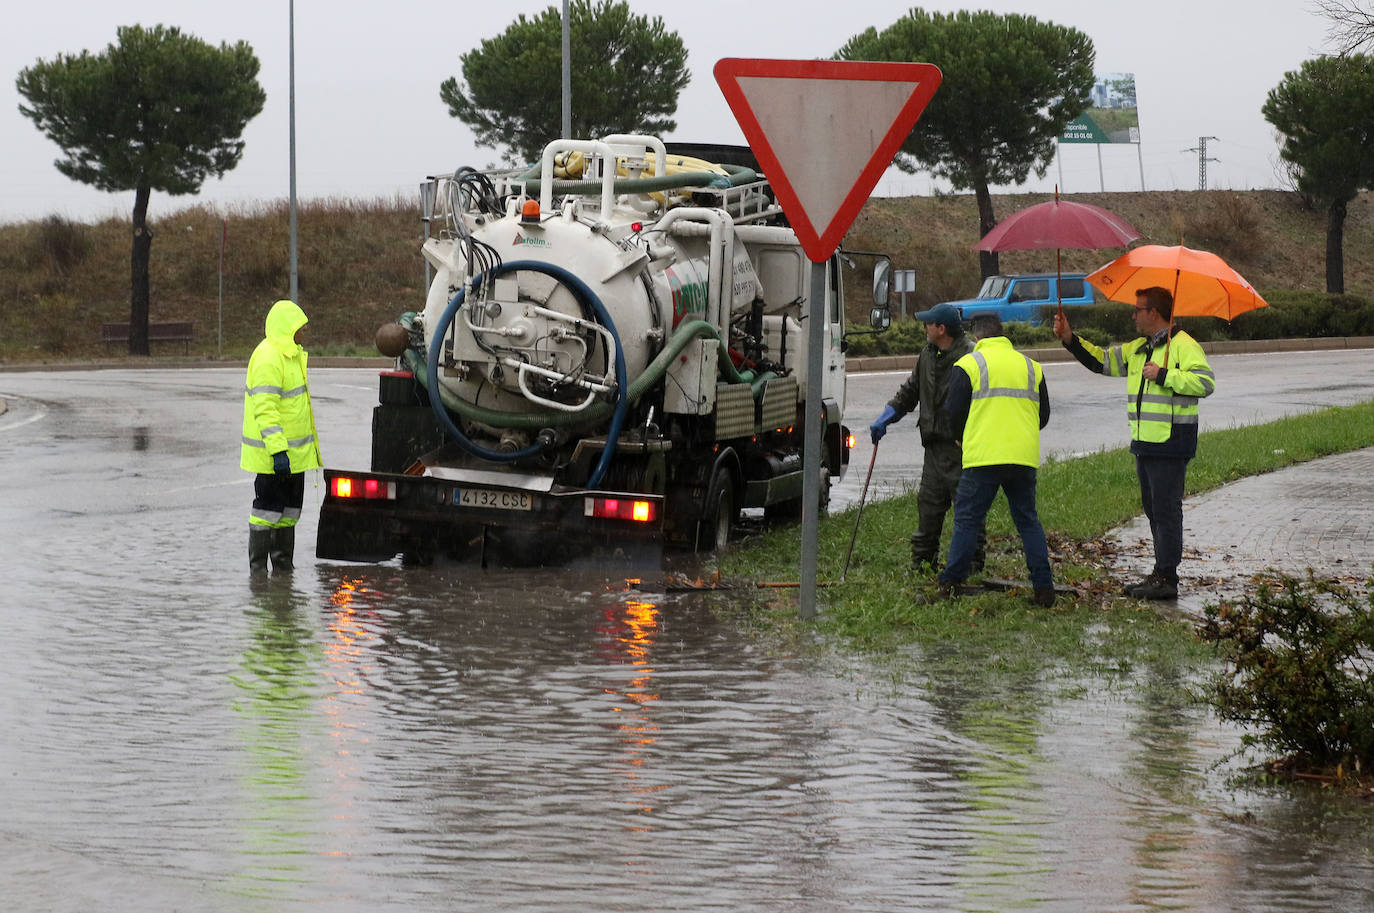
[785,512]
[718,512]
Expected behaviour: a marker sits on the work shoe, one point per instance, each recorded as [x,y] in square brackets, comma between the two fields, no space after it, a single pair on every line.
[1043,597]
[1130,588]
[1155,586]
[950,590]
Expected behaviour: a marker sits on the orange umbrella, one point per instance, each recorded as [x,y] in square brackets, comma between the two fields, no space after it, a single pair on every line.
[1202,283]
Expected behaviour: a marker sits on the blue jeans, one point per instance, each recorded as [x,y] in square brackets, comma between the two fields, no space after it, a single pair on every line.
[1161,496]
[978,486]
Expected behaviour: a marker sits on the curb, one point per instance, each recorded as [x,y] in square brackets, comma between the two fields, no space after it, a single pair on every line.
[1224,347]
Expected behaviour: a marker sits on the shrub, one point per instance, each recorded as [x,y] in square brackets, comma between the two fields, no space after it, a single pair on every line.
[1298,660]
[904,337]
[1220,221]
[1306,314]
[62,243]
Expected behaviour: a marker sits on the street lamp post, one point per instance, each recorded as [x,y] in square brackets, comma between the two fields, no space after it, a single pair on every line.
[291,13]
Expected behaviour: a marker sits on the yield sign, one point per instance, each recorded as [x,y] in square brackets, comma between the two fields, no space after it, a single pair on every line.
[824,132]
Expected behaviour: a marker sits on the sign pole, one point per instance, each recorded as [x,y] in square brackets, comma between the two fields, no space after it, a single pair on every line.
[811,445]
[824,131]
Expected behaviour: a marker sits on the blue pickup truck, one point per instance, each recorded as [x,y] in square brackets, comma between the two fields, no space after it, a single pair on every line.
[1027,297]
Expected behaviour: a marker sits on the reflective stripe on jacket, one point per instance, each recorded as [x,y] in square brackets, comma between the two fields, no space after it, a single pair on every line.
[1152,409]
[277,415]
[1004,412]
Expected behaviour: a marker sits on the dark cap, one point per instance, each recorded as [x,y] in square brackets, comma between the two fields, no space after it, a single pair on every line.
[946,314]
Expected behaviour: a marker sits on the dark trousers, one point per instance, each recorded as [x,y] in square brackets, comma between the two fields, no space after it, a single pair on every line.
[277,499]
[940,470]
[978,486]
[1161,496]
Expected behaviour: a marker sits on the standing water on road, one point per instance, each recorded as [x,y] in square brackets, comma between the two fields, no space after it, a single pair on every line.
[363,738]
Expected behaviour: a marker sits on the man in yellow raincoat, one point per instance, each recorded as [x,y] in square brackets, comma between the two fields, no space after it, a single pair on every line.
[279,439]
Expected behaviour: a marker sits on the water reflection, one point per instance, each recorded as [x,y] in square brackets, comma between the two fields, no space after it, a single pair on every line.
[627,634]
[277,696]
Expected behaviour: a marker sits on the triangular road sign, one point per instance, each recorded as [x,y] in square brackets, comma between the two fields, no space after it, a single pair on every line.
[824,131]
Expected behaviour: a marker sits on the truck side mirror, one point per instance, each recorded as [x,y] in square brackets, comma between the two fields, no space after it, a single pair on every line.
[880,318]
[882,285]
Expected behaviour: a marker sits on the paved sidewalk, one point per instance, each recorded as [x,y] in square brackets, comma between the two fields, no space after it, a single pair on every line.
[1318,515]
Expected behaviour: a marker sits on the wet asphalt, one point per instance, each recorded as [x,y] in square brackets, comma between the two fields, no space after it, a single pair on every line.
[363,738]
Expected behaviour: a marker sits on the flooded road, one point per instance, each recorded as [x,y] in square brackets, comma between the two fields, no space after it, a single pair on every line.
[365,738]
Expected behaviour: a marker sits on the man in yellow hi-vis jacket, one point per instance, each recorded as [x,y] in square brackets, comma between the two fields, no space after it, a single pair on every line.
[1161,407]
[997,404]
[279,439]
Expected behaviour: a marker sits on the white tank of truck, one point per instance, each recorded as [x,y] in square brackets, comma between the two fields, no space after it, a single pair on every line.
[611,356]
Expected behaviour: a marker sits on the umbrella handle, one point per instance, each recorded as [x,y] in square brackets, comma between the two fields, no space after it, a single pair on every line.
[1058,272]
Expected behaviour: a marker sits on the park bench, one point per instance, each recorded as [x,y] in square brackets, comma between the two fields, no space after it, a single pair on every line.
[157,332]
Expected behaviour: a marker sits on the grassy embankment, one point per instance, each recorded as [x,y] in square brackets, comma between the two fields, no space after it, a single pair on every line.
[359,262]
[358,267]
[1079,501]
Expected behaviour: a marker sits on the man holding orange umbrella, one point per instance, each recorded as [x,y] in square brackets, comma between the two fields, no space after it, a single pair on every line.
[1162,409]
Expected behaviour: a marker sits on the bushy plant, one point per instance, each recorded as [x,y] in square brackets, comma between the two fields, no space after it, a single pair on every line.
[904,337]
[1299,314]
[60,242]
[1299,658]
[1220,221]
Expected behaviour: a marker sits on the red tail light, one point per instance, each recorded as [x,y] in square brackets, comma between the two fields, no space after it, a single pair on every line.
[366,489]
[849,442]
[622,509]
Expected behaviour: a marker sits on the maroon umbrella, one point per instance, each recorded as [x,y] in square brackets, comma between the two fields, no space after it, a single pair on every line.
[1059,224]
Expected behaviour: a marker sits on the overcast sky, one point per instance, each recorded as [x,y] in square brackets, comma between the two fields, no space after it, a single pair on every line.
[369,121]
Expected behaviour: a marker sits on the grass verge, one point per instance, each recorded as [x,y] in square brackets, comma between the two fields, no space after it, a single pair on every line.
[882,605]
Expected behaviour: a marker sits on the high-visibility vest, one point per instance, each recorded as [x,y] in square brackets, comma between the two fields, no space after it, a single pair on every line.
[1004,414]
[277,415]
[1153,410]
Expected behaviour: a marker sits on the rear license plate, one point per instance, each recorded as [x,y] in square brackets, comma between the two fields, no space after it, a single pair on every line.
[493,499]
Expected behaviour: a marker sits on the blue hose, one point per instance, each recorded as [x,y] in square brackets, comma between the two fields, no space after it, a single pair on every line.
[589,299]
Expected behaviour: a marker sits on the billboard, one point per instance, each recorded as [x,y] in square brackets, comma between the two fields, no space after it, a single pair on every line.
[1112,116]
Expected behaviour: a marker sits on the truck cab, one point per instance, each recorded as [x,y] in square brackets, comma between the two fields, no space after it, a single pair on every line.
[1027,297]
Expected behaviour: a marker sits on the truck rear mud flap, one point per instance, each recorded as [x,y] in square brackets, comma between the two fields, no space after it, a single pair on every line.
[373,517]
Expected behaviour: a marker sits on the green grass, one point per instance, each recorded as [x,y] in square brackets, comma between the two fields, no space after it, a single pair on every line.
[881,605]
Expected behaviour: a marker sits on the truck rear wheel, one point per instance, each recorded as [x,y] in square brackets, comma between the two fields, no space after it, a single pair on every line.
[718,513]
[785,512]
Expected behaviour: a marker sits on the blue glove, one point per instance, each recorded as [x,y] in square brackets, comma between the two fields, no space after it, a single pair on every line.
[281,463]
[879,428]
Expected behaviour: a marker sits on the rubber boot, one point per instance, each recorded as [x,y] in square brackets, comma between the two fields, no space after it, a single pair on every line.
[922,560]
[259,543]
[283,547]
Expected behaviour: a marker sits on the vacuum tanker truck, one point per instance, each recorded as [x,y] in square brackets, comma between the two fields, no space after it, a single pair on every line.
[612,356]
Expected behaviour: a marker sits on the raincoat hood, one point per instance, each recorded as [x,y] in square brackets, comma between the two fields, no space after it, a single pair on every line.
[283,320]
